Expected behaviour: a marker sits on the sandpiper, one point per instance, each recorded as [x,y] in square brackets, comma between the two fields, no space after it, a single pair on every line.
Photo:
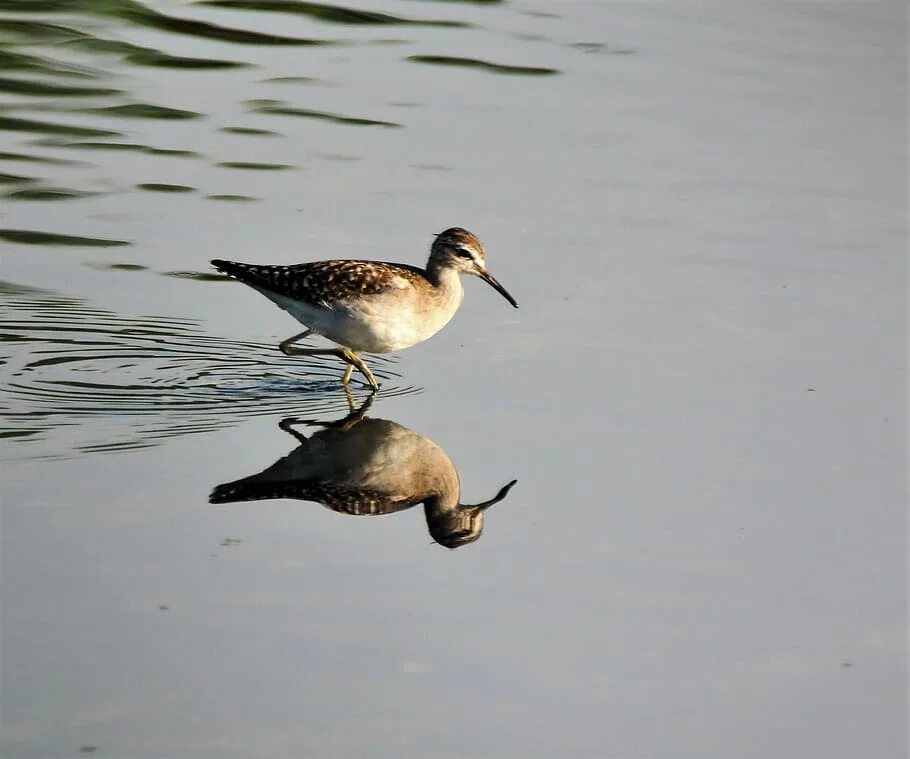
[370,306]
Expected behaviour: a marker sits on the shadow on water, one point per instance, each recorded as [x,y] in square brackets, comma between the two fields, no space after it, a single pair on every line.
[80,379]
[368,467]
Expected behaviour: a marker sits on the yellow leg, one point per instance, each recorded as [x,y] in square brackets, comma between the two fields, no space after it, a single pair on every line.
[285,346]
[346,354]
[353,358]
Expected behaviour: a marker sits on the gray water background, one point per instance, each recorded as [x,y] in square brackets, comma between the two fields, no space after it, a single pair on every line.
[701,208]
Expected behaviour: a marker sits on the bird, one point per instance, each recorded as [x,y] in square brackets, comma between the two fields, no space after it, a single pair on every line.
[365,466]
[370,306]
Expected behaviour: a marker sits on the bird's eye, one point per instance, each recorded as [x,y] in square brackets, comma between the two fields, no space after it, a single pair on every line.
[464,253]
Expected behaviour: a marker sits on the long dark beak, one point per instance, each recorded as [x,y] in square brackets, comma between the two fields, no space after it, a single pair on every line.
[491,280]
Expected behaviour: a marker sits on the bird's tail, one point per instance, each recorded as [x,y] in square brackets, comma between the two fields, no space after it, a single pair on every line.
[250,273]
[253,489]
[266,279]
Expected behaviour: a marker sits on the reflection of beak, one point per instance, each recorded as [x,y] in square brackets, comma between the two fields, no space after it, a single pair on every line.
[503,492]
[491,280]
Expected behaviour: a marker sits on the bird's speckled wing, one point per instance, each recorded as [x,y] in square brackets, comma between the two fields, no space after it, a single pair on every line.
[336,496]
[324,283]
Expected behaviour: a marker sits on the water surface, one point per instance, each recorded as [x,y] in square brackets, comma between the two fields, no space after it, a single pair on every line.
[701,209]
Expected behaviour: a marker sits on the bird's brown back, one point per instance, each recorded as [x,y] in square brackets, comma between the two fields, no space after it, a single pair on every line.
[324,282]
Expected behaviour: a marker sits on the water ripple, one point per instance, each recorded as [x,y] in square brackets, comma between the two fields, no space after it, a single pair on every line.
[276,108]
[80,379]
[334,14]
[137,13]
[473,63]
[44,127]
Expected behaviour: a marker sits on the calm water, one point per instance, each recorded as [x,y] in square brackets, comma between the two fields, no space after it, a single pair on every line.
[701,208]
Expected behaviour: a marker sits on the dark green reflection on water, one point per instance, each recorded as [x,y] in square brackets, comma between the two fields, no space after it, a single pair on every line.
[250,131]
[15,179]
[158,59]
[161,187]
[146,56]
[42,89]
[128,147]
[144,111]
[11,60]
[335,14]
[124,267]
[38,159]
[473,63]
[34,237]
[277,108]
[255,166]
[136,13]
[49,193]
[34,31]
[233,198]
[43,127]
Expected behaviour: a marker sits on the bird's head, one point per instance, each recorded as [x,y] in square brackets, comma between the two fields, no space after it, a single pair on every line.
[461,250]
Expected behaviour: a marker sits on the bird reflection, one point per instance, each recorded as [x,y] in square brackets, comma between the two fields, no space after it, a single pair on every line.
[364,466]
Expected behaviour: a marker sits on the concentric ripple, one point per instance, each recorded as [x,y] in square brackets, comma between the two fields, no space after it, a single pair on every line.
[79,379]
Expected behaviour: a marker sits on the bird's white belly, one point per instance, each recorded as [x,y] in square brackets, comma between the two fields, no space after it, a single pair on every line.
[376,323]
[380,324]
